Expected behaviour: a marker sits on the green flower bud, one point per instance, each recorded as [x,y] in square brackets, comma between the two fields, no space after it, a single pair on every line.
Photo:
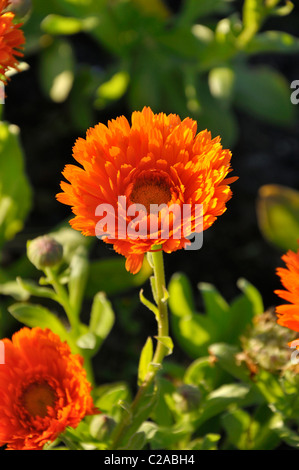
[44,252]
[187,398]
[101,427]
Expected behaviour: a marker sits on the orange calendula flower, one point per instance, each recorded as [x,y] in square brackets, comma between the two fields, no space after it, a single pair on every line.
[43,389]
[156,160]
[11,40]
[288,314]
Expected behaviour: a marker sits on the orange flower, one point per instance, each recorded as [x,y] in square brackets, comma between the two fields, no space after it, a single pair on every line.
[11,40]
[288,314]
[43,389]
[158,159]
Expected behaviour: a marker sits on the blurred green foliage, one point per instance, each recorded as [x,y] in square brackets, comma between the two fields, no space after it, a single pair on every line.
[195,62]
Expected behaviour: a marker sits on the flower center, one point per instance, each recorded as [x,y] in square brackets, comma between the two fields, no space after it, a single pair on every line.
[37,397]
[150,189]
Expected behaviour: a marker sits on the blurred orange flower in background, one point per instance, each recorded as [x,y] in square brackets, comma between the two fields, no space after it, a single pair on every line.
[43,389]
[11,40]
[288,314]
[158,159]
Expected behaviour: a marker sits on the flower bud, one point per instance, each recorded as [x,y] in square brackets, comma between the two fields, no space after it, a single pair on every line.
[101,427]
[187,398]
[21,8]
[44,252]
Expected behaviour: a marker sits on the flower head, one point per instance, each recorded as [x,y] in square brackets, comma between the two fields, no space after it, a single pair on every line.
[11,40]
[288,314]
[44,251]
[43,389]
[159,161]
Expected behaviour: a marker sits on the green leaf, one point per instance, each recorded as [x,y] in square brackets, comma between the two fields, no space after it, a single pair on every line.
[162,414]
[101,318]
[283,10]
[78,277]
[254,12]
[218,400]
[265,94]
[192,331]
[57,70]
[253,295]
[167,342]
[221,82]
[111,397]
[145,359]
[60,25]
[37,316]
[236,424]
[193,10]
[15,190]
[136,442]
[269,386]
[71,240]
[169,437]
[220,322]
[15,290]
[153,308]
[202,373]
[226,356]
[273,41]
[110,276]
[215,305]
[278,216]
[284,433]
[112,90]
[33,289]
[87,341]
[209,442]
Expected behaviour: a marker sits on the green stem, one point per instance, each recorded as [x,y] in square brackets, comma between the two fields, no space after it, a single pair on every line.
[63,297]
[131,417]
[159,275]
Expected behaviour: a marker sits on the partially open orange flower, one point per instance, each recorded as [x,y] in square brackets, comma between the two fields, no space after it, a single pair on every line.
[11,40]
[288,314]
[158,159]
[43,389]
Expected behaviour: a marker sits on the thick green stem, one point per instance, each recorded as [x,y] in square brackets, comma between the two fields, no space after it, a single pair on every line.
[158,265]
[132,417]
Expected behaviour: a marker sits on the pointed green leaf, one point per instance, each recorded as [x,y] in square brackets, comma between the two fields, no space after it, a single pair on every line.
[37,316]
[101,318]
[167,342]
[265,94]
[145,359]
[35,290]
